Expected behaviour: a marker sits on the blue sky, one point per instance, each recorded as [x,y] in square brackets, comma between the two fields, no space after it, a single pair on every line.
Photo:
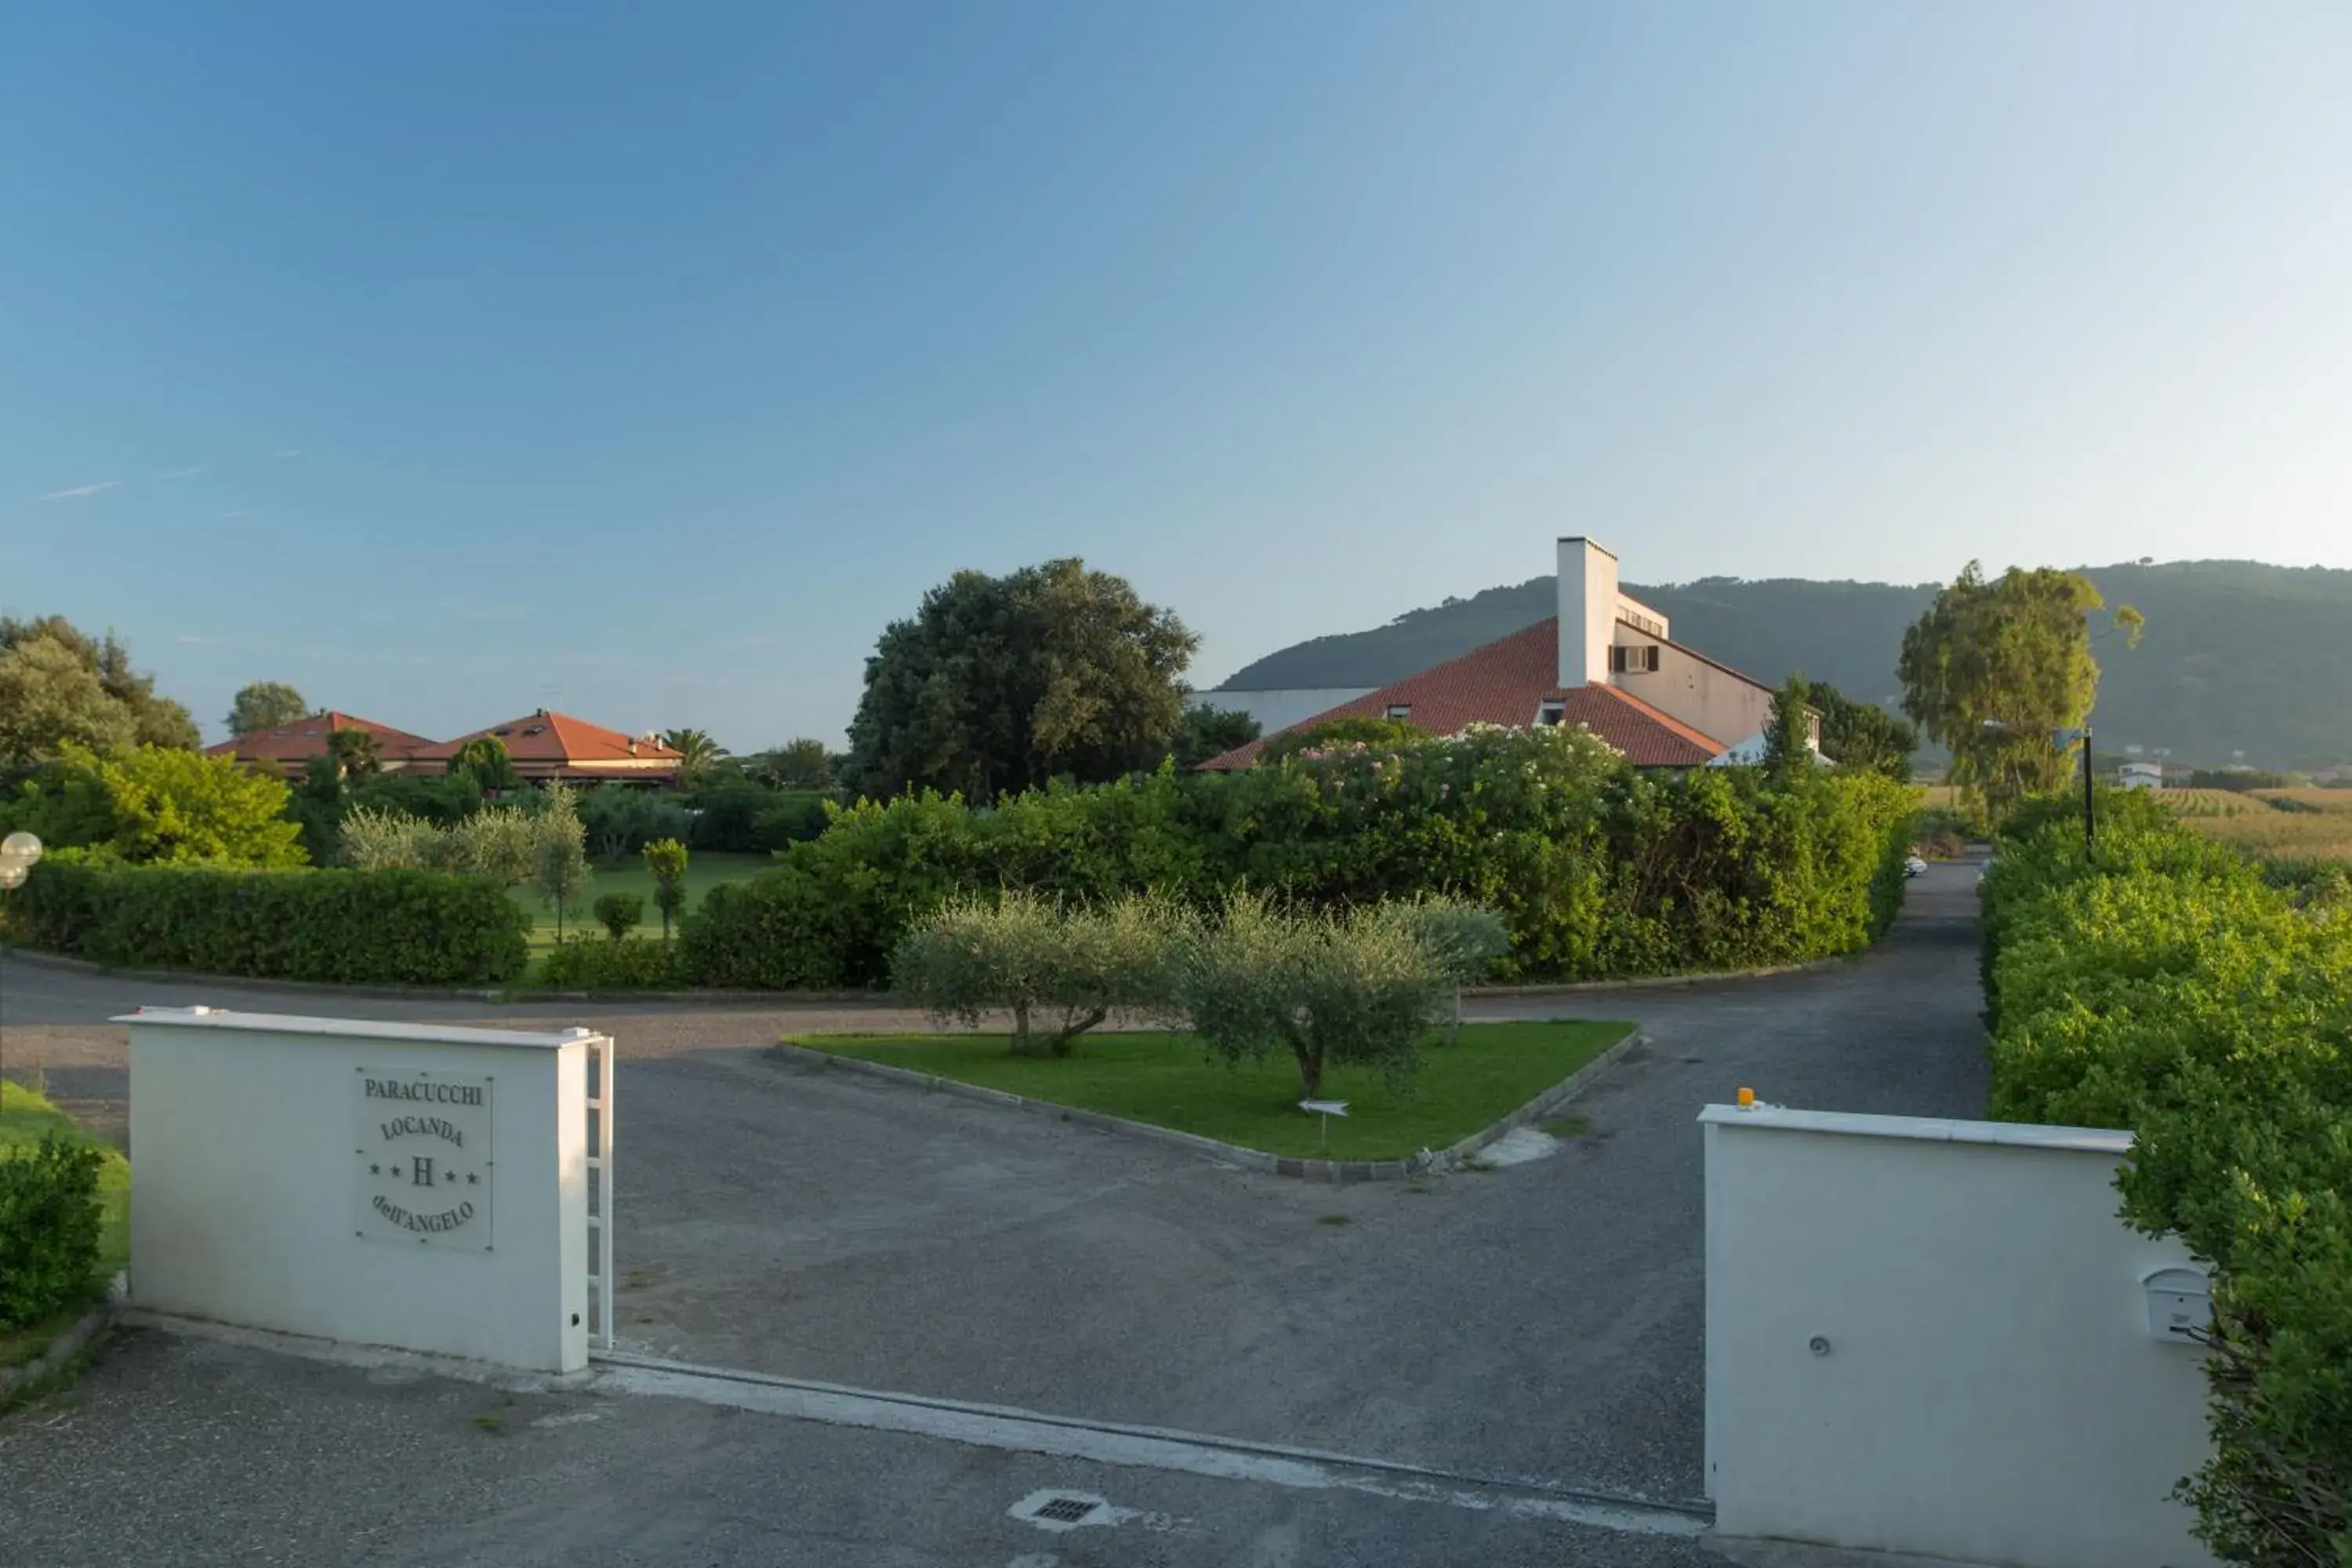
[449,360]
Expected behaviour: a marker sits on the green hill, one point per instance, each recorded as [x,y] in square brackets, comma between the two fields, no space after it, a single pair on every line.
[2238,657]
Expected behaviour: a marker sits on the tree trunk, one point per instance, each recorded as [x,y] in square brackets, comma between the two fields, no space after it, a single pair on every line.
[1021,1042]
[1311,1072]
[1075,1025]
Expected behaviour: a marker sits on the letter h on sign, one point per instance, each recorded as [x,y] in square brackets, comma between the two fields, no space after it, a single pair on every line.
[424,1172]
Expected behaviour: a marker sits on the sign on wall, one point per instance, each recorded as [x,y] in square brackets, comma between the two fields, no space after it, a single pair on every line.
[422,1176]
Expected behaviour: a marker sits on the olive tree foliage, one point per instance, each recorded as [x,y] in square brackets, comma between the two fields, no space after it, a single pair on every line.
[504,843]
[1059,970]
[1994,668]
[1362,987]
[1000,684]
[1463,940]
[59,684]
[264,705]
[560,870]
[665,861]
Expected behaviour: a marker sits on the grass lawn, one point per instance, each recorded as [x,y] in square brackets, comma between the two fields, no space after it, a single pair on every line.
[24,1117]
[1169,1081]
[703,870]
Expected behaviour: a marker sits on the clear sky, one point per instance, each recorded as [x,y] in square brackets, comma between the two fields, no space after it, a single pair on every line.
[644,360]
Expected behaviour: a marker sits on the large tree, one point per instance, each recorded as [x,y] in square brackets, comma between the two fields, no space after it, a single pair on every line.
[1208,733]
[1862,735]
[1996,669]
[264,705]
[57,683]
[1000,683]
[802,762]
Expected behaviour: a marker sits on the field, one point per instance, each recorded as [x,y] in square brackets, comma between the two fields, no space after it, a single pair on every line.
[1169,1081]
[2209,803]
[705,871]
[2277,823]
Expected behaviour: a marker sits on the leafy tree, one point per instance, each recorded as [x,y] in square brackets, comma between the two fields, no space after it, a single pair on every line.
[1788,736]
[1464,940]
[1994,668]
[666,860]
[1354,987]
[485,757]
[1027,955]
[619,913]
[50,699]
[160,806]
[621,820]
[1863,734]
[1208,733]
[560,868]
[356,753]
[1340,734]
[698,753]
[802,762]
[997,684]
[264,705]
[155,720]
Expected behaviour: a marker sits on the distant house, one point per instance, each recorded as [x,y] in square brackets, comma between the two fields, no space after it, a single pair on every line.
[547,747]
[287,750]
[1604,663]
[2141,775]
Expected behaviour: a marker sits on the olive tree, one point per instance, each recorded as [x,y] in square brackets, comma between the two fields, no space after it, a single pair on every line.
[1362,987]
[1069,966]
[665,861]
[1462,939]
[560,868]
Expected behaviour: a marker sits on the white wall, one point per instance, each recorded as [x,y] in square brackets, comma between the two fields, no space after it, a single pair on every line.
[1588,612]
[1707,698]
[1280,707]
[1991,1392]
[245,1179]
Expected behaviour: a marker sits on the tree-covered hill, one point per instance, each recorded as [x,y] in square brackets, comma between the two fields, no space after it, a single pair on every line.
[2238,656]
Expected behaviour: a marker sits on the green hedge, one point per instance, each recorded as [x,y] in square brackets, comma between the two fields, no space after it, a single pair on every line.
[416,928]
[600,964]
[2166,987]
[1599,871]
[50,1224]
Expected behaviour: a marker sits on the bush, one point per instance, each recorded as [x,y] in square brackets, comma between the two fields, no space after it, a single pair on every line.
[160,805]
[1027,955]
[1338,734]
[2166,987]
[1359,987]
[621,820]
[49,1222]
[1595,870]
[619,913]
[665,861]
[725,814]
[416,928]
[793,817]
[593,963]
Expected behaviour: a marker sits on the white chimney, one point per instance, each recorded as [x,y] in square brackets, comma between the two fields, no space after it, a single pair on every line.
[1588,612]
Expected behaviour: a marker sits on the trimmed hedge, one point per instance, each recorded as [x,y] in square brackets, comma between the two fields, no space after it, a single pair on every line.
[599,964]
[2168,988]
[1599,871]
[49,1225]
[411,928]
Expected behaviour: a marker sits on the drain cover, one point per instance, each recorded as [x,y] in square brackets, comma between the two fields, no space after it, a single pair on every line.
[1065,1509]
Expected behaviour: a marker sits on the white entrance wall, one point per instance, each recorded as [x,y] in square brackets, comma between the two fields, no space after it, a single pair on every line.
[329,1177]
[1934,1337]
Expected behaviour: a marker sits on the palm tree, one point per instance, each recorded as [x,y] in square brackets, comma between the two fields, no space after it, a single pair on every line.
[356,753]
[698,753]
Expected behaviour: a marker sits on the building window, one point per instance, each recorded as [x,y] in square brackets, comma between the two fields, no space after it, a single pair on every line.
[1625,659]
[1551,712]
[1397,710]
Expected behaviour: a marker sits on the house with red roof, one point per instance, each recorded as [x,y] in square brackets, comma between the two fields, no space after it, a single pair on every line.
[1605,663]
[287,750]
[546,747]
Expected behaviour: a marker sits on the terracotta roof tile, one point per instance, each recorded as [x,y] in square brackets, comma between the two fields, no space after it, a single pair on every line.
[561,739]
[311,735]
[1506,682]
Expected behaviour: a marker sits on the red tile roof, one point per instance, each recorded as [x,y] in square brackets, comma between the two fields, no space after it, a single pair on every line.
[561,740]
[290,745]
[1506,682]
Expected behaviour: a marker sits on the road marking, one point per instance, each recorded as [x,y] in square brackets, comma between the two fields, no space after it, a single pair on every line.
[1142,1447]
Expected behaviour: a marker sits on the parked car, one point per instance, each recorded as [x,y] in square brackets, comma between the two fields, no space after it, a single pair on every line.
[1913,866]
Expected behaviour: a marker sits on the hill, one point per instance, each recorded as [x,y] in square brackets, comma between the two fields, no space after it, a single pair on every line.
[2239,657]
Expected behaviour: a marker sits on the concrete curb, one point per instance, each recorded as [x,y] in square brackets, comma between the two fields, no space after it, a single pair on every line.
[86,1330]
[1658,982]
[1335,1172]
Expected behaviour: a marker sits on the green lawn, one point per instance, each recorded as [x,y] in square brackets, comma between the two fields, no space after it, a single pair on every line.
[705,870]
[1169,1081]
[24,1117]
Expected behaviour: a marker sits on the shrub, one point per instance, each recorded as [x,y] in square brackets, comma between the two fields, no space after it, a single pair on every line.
[792,819]
[1462,941]
[1027,955]
[592,963]
[1359,988]
[621,820]
[49,1221]
[725,814]
[418,928]
[160,805]
[2164,986]
[1335,735]
[619,913]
